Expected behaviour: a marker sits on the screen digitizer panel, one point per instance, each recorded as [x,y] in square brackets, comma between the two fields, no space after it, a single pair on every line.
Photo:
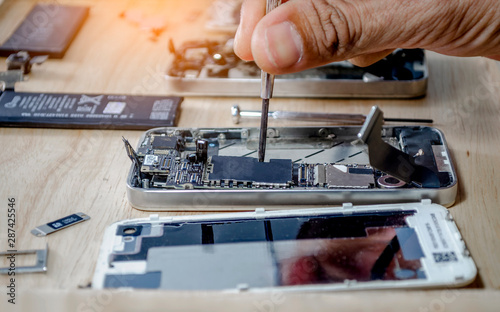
[274,252]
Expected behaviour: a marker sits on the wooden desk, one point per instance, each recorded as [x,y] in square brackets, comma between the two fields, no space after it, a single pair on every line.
[52,173]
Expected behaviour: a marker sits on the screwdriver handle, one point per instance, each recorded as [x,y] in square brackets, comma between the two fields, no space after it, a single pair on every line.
[267,80]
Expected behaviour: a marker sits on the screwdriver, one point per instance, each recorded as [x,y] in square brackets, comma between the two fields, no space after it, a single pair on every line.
[266,92]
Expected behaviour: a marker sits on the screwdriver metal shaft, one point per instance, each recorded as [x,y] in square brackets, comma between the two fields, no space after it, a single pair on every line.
[266,92]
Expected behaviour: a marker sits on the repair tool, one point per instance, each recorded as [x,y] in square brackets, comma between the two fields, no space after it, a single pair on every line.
[266,92]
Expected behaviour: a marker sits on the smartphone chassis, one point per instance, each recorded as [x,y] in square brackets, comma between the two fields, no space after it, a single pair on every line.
[210,68]
[217,169]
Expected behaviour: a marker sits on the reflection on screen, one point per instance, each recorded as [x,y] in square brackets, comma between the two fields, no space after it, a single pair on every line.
[273,252]
[377,256]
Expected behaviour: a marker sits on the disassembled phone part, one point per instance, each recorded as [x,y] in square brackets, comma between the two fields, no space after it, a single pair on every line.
[40,264]
[389,159]
[351,119]
[59,224]
[193,168]
[87,111]
[23,61]
[18,65]
[48,29]
[350,247]
[9,78]
[211,68]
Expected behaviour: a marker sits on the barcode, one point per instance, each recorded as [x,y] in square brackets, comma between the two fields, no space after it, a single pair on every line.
[444,256]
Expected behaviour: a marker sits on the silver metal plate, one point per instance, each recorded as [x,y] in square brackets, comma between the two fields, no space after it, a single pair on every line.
[339,88]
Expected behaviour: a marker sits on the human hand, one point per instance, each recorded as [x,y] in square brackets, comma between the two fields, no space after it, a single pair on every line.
[302,34]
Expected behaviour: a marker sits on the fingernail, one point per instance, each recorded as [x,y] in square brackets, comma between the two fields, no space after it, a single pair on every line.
[284,45]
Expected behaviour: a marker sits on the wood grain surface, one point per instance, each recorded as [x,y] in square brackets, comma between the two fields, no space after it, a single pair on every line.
[53,173]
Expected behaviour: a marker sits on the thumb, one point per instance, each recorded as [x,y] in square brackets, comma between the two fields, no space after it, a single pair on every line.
[301,34]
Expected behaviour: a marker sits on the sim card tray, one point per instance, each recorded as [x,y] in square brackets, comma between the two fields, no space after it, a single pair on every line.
[389,159]
[40,265]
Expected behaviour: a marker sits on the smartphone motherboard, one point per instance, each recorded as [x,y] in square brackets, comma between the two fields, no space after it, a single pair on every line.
[190,167]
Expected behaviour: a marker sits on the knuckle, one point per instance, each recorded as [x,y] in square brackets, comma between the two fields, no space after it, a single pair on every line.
[334,26]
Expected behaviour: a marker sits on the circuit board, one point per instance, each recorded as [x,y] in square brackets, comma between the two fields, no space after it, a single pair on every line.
[296,158]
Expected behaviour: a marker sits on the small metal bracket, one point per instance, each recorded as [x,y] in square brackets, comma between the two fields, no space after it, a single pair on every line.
[390,160]
[54,226]
[9,78]
[23,61]
[40,265]
[18,65]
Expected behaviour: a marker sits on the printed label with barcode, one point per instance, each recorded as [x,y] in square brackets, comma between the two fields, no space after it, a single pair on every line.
[101,111]
[444,257]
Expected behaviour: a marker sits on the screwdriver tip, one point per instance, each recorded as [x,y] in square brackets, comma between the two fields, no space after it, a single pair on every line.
[263,129]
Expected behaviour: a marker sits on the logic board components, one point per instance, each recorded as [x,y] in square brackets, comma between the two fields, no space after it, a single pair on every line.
[340,176]
[192,167]
[184,163]
[188,161]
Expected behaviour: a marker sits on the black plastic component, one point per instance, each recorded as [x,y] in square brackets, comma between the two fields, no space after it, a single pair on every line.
[360,171]
[191,158]
[202,150]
